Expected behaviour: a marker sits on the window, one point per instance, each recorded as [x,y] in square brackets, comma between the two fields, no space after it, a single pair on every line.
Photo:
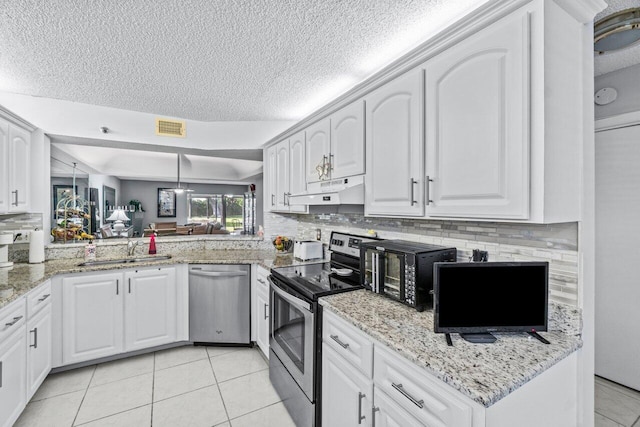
[227,209]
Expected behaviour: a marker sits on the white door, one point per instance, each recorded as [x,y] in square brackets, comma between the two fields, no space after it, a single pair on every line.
[282,175]
[4,166]
[297,182]
[317,155]
[389,414]
[19,169]
[617,269]
[92,311]
[38,350]
[395,148]
[477,124]
[13,371]
[262,320]
[270,184]
[347,395]
[150,316]
[347,141]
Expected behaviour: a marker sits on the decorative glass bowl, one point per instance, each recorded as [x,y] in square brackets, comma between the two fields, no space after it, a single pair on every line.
[282,244]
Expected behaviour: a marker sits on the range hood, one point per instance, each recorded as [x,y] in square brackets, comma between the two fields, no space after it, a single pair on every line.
[343,191]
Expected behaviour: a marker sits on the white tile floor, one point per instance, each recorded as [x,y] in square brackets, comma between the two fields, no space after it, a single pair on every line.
[616,405]
[185,386]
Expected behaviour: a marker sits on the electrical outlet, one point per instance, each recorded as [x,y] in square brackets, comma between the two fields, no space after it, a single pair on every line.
[21,236]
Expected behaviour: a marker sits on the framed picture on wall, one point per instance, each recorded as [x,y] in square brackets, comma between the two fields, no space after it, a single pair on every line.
[166,203]
[59,193]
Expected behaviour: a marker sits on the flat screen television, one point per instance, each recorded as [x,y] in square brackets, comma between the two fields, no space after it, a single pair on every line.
[477,298]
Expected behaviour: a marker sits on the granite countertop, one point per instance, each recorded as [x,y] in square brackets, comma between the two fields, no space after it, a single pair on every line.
[484,372]
[19,279]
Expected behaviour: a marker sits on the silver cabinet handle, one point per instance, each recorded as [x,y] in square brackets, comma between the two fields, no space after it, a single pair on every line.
[360,416]
[117,287]
[266,316]
[0,373]
[418,403]
[284,198]
[262,281]
[331,156]
[35,338]
[44,297]
[129,284]
[15,203]
[336,339]
[13,322]
[427,195]
[373,416]
[273,201]
[413,182]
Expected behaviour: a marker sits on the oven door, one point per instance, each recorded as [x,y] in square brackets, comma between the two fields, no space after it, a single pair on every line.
[292,335]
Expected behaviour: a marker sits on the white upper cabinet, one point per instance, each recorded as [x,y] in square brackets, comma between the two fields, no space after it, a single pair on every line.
[347,141]
[282,175]
[297,182]
[477,124]
[15,162]
[270,179]
[318,151]
[394,183]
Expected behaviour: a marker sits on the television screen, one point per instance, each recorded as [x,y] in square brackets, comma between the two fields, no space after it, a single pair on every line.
[490,297]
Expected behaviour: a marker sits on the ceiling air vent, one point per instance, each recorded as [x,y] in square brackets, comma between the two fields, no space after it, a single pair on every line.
[165,127]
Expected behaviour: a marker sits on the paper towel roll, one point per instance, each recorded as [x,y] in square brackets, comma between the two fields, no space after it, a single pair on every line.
[36,247]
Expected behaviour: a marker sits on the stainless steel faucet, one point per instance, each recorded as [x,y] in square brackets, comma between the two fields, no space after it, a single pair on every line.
[131,246]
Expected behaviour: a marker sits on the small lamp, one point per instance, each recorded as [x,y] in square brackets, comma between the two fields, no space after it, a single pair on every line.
[118,216]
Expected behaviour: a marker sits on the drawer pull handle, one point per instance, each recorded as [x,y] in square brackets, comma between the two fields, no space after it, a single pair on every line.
[44,297]
[373,416]
[266,316]
[13,322]
[360,416]
[336,339]
[0,373]
[418,403]
[35,338]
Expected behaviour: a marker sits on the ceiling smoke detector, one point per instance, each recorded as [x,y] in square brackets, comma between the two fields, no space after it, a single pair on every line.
[617,31]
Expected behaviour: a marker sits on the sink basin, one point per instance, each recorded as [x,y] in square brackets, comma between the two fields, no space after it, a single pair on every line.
[125,260]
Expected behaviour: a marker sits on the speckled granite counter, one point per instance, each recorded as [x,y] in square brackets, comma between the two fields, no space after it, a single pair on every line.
[484,372]
[22,277]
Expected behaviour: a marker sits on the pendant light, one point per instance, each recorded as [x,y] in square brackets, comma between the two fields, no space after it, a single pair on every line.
[617,31]
[179,189]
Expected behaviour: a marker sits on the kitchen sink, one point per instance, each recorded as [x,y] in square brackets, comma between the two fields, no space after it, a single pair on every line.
[125,261]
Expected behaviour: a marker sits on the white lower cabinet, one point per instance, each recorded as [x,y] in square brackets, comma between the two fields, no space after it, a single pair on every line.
[107,313]
[150,316]
[347,395]
[261,310]
[39,349]
[13,363]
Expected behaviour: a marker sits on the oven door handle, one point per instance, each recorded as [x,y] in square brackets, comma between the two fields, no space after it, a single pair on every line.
[288,297]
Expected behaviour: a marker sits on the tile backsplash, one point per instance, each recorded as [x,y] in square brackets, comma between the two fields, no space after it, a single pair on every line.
[28,221]
[555,243]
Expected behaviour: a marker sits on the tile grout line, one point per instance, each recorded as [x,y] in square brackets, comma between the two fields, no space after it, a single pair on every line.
[110,415]
[153,388]
[86,390]
[637,422]
[260,409]
[218,387]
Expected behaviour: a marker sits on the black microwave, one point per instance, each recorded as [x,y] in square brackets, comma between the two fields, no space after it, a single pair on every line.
[402,270]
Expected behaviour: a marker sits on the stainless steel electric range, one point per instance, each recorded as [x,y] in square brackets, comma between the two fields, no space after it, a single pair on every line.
[296,323]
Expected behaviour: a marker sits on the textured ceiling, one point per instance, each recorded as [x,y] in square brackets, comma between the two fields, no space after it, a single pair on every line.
[209,60]
[622,58]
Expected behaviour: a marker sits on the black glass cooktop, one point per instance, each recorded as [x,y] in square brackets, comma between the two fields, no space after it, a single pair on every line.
[317,280]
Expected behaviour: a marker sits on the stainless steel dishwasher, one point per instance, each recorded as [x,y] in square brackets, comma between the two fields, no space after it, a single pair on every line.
[220,304]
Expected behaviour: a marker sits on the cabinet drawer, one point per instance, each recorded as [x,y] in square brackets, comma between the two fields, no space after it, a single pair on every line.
[419,393]
[39,298]
[348,342]
[12,318]
[261,277]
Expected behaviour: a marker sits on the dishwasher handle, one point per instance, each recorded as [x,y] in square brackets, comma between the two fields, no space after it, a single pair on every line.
[218,273]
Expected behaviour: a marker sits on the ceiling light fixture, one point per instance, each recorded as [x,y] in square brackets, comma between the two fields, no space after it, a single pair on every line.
[179,189]
[617,31]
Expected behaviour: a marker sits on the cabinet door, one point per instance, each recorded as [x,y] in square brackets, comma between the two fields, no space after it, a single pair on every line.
[318,147]
[92,317]
[347,141]
[395,150]
[477,124]
[4,166]
[19,157]
[262,321]
[346,394]
[297,182]
[150,316]
[13,376]
[270,178]
[38,350]
[387,413]
[282,175]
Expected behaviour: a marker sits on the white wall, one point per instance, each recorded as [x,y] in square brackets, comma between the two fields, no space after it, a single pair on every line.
[627,83]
